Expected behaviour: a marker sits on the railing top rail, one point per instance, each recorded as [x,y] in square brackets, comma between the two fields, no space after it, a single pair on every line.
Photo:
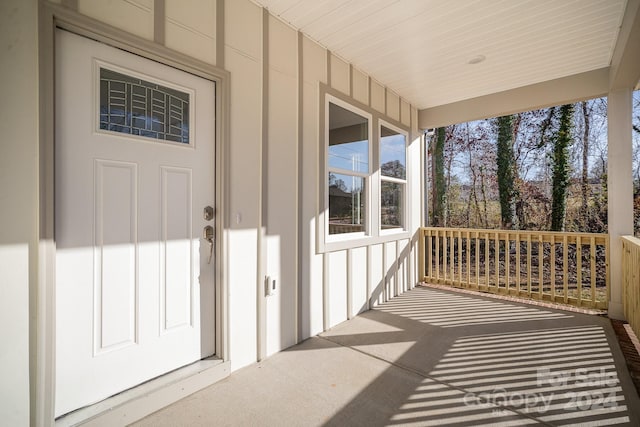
[522,232]
[631,239]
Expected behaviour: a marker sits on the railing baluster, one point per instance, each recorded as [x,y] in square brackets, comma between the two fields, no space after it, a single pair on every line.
[452,257]
[552,267]
[608,271]
[460,257]
[518,262]
[579,268]
[445,249]
[477,242]
[486,259]
[592,274]
[496,258]
[540,266]
[468,258]
[507,258]
[422,238]
[565,268]
[529,281]
[437,260]
[430,246]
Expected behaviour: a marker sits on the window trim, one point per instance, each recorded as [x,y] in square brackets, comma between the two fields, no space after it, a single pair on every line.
[374,235]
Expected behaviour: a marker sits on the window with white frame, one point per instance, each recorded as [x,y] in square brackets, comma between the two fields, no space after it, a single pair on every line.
[393,177]
[365,176]
[348,170]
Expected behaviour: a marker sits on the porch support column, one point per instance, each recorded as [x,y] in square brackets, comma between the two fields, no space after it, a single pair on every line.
[620,188]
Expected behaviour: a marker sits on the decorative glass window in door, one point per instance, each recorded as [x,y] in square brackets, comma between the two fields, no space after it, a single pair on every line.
[138,107]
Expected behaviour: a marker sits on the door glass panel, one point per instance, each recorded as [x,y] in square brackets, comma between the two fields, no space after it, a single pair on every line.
[138,107]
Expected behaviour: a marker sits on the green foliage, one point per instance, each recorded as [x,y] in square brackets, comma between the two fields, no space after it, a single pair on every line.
[560,180]
[439,188]
[505,170]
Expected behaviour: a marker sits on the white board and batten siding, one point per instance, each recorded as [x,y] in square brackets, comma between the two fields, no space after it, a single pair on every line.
[273,171]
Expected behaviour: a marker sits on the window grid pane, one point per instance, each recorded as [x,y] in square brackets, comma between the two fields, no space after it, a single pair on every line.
[347,204]
[392,205]
[348,140]
[137,107]
[393,153]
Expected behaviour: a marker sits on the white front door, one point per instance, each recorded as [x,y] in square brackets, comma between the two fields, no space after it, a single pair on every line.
[134,173]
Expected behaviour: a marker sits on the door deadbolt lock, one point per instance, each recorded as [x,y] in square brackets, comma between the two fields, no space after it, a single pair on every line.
[208,213]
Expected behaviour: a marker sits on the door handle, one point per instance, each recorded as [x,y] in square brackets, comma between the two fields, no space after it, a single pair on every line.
[207,235]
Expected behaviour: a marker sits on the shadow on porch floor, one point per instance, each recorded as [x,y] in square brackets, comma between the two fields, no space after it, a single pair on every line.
[431,357]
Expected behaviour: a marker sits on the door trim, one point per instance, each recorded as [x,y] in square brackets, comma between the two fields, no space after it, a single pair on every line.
[42,331]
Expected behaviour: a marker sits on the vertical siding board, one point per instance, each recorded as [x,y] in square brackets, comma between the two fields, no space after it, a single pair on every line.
[359,86]
[244,180]
[340,75]
[313,70]
[303,262]
[349,283]
[281,198]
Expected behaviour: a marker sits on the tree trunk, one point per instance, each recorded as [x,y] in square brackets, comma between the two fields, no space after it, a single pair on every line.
[505,160]
[439,187]
[474,197]
[560,181]
[483,191]
[584,185]
[447,197]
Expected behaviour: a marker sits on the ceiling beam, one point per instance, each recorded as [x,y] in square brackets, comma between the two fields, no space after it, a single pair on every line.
[591,84]
[625,61]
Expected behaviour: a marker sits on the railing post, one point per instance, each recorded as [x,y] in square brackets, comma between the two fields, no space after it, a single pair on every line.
[421,254]
[631,281]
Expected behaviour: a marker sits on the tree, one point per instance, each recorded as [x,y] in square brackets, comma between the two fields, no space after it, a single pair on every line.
[505,171]
[560,180]
[439,186]
[584,182]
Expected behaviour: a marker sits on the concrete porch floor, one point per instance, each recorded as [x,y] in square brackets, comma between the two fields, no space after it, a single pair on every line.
[431,357]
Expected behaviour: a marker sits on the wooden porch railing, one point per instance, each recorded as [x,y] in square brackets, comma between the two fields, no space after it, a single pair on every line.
[631,281]
[569,268]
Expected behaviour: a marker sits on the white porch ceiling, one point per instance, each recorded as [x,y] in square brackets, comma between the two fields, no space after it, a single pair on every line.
[421,49]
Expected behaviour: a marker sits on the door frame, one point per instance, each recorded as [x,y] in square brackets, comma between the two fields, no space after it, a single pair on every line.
[52,16]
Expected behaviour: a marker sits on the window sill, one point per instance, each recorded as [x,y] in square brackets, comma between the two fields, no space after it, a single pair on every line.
[329,244]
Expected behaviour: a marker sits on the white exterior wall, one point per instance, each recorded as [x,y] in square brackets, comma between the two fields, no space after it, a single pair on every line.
[272,180]
[18,202]
[192,33]
[133,16]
